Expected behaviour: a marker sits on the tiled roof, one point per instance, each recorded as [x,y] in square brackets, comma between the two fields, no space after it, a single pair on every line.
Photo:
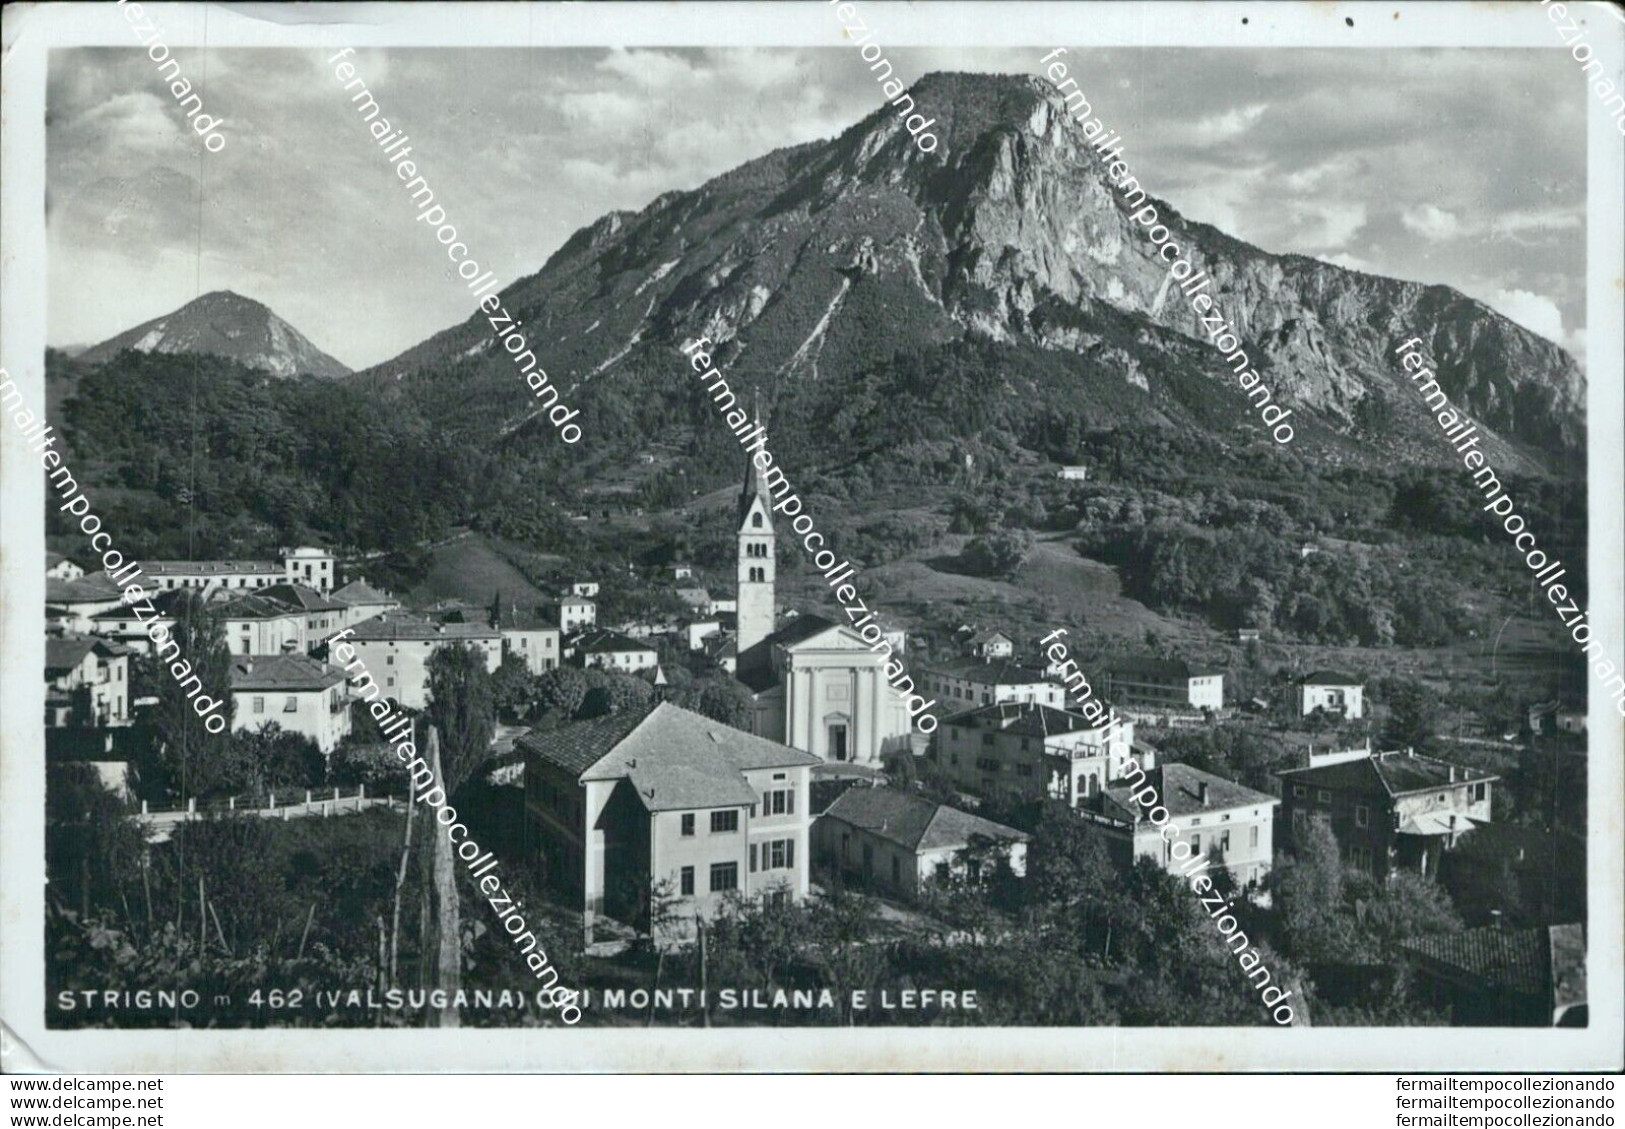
[252,605]
[360,592]
[578,746]
[301,597]
[673,758]
[1159,670]
[163,604]
[1178,791]
[575,600]
[1546,962]
[62,655]
[54,558]
[282,672]
[602,642]
[989,636]
[88,589]
[1000,672]
[1329,678]
[1028,719]
[515,618]
[1394,773]
[914,822]
[401,626]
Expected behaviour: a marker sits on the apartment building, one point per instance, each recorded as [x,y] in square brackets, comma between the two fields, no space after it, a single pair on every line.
[301,694]
[1222,823]
[1387,809]
[362,601]
[87,682]
[1025,750]
[613,651]
[396,647]
[620,805]
[983,682]
[534,638]
[1162,684]
[900,843]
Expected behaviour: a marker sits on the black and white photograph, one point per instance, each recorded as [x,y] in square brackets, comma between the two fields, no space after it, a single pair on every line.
[813,537]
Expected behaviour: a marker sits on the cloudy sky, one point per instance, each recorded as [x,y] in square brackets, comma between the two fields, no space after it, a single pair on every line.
[1465,167]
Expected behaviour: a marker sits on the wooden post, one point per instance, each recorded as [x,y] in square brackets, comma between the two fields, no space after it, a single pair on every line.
[705,1010]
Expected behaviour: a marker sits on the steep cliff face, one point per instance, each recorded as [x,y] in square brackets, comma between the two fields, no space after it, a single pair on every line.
[806,263]
[228,325]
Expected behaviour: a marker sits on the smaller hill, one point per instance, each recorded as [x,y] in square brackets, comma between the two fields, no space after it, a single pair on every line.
[226,325]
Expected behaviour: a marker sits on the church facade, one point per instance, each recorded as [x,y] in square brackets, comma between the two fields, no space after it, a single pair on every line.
[815,684]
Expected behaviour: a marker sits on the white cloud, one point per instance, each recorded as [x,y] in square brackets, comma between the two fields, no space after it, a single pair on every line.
[1430,222]
[1532,311]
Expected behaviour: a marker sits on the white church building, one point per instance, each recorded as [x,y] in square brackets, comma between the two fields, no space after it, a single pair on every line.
[815,684]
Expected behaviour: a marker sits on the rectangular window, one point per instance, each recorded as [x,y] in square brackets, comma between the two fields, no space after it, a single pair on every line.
[290,705]
[987,738]
[723,822]
[1362,816]
[389,660]
[1252,837]
[1224,841]
[1024,770]
[1196,844]
[724,876]
[1480,791]
[775,860]
[688,823]
[1299,791]
[1323,796]
[688,882]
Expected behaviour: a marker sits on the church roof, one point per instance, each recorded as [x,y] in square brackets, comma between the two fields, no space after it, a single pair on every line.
[756,661]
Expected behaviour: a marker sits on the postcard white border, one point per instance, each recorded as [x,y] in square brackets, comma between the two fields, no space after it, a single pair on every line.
[30,31]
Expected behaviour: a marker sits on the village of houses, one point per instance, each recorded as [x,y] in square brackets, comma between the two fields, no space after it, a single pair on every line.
[664,797]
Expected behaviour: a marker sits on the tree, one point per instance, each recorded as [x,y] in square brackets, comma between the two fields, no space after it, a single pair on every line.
[609,692]
[277,760]
[187,746]
[1413,716]
[1000,553]
[559,691]
[1310,892]
[461,709]
[1067,860]
[512,687]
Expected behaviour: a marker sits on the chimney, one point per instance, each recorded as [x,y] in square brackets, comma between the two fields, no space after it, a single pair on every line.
[1201,792]
[1452,774]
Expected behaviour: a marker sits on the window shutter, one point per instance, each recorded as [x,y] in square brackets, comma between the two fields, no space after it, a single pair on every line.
[753,858]
[790,801]
[790,852]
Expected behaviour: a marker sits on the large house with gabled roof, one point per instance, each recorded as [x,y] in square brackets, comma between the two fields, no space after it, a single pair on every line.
[663,800]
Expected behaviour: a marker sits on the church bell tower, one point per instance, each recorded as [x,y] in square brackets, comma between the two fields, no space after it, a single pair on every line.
[756,558]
